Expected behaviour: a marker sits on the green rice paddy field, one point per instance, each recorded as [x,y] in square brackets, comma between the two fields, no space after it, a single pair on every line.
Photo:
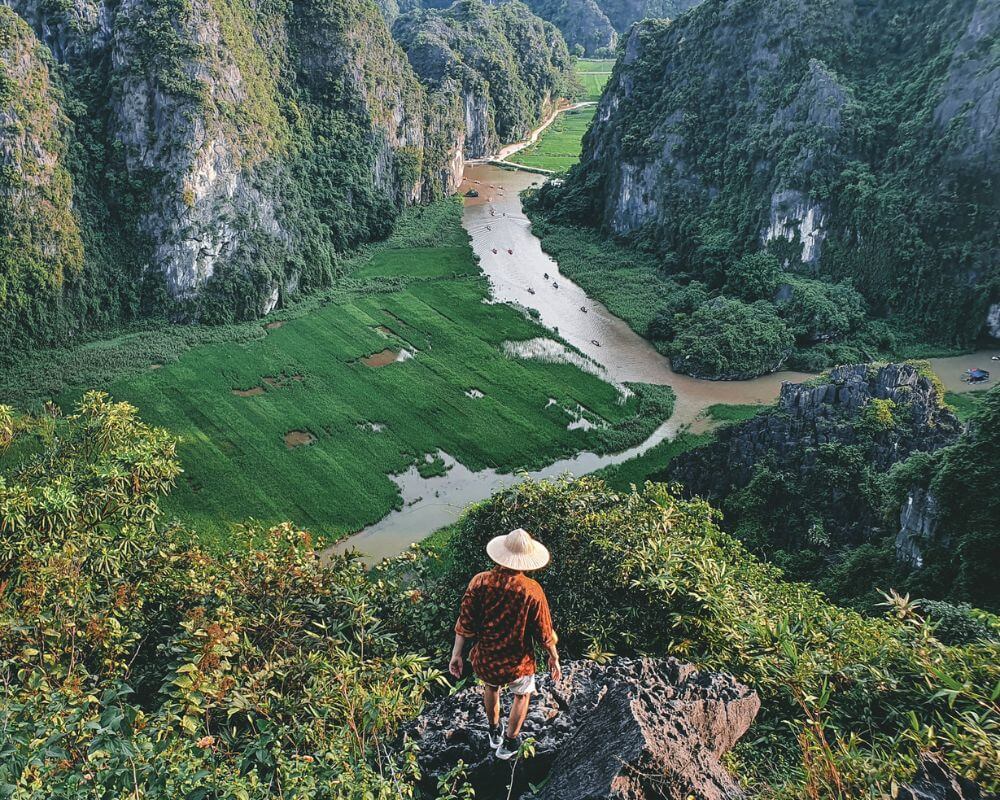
[593,73]
[559,146]
[294,424]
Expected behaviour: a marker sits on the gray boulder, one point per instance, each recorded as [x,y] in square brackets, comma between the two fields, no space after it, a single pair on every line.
[633,728]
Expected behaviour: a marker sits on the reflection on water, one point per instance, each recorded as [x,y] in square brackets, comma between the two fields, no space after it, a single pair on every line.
[519,272]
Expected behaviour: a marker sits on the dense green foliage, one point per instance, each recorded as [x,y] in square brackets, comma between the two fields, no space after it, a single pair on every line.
[739,120]
[234,398]
[134,663]
[731,340]
[846,701]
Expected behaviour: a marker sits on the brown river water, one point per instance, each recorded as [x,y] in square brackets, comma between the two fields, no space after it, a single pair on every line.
[496,221]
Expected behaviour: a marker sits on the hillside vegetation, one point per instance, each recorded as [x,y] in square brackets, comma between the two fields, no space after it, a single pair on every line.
[851,143]
[135,663]
[199,158]
[505,66]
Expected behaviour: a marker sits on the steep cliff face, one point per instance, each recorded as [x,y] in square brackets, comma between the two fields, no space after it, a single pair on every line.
[505,64]
[246,144]
[40,244]
[837,135]
[623,13]
[582,22]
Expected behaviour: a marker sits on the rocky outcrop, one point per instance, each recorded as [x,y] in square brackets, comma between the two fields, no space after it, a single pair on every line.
[40,243]
[506,64]
[887,413]
[641,729]
[918,525]
[178,119]
[936,781]
[992,326]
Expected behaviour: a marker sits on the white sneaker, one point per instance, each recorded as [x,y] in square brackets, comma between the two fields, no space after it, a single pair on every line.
[496,739]
[508,749]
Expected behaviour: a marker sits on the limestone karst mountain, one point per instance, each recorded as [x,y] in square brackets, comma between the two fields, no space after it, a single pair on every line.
[206,158]
[852,140]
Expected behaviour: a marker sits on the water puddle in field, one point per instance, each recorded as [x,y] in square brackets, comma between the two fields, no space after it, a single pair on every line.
[295,439]
[520,273]
[384,358]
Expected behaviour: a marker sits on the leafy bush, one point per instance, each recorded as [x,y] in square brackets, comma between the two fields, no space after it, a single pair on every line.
[729,339]
[754,277]
[132,663]
[846,700]
[821,312]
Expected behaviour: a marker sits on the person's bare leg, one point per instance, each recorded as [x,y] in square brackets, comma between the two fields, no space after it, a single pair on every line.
[518,711]
[491,701]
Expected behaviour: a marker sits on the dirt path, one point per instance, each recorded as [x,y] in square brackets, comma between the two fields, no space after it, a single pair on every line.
[508,150]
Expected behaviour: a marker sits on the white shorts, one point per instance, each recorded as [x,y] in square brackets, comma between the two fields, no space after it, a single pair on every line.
[523,685]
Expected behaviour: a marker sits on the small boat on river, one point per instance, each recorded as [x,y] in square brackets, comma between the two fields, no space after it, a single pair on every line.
[555,285]
[530,290]
[494,251]
[595,342]
[583,309]
[510,252]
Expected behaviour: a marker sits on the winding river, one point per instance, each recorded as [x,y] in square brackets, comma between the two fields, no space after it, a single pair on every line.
[496,224]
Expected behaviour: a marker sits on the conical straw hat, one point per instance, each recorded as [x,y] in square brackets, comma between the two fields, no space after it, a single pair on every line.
[517,550]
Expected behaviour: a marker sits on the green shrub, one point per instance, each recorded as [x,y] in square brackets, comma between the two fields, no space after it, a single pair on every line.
[730,339]
[132,663]
[754,277]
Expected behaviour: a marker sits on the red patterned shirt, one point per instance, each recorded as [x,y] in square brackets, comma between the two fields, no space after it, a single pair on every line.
[505,611]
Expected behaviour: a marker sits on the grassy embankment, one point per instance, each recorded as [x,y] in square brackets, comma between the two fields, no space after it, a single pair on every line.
[289,422]
[558,148]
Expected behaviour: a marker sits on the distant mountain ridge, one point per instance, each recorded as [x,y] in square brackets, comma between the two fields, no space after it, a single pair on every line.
[591,27]
[504,67]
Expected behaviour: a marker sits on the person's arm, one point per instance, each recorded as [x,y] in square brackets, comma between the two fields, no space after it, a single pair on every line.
[465,628]
[547,636]
[456,664]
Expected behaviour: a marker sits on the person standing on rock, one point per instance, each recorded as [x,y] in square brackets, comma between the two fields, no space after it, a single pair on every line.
[506,612]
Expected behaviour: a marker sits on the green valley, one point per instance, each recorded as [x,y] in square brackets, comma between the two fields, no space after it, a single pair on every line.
[558,147]
[308,421]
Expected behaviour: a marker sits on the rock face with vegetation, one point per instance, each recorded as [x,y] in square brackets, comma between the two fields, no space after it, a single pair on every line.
[854,141]
[218,155]
[648,729]
[501,65]
[40,243]
[835,485]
